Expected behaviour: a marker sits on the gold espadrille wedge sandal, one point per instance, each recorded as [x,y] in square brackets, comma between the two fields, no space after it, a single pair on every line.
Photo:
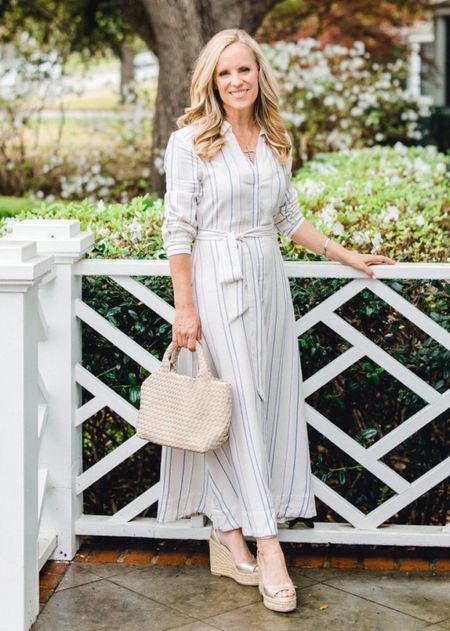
[270,593]
[222,563]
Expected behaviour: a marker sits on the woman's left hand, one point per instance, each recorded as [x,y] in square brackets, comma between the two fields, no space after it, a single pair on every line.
[362,261]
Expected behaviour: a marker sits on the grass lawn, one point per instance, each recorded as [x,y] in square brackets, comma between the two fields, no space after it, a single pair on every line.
[10,206]
[105,98]
[76,66]
[78,134]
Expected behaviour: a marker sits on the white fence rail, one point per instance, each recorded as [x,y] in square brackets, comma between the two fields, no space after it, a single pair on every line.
[41,375]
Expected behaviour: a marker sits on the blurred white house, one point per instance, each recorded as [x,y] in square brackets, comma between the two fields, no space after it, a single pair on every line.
[429,58]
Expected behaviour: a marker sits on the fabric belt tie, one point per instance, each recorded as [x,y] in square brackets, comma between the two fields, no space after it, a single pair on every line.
[237,276]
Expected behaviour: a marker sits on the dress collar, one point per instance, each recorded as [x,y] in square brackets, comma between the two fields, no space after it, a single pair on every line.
[226,126]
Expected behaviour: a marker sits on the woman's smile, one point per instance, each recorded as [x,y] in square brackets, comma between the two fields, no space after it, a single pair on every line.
[239,93]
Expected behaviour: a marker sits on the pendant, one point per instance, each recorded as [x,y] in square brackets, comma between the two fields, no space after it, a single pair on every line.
[248,151]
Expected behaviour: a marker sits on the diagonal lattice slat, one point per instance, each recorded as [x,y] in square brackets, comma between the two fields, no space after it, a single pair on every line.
[113,400]
[329,305]
[140,503]
[146,296]
[410,426]
[339,504]
[90,408]
[412,313]
[109,462]
[115,336]
[332,370]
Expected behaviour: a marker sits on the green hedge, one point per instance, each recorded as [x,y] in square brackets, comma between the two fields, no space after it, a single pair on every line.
[364,401]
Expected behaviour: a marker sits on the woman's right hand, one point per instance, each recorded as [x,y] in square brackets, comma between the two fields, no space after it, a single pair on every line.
[186,328]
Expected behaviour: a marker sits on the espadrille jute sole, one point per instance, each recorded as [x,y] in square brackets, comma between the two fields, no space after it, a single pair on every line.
[222,564]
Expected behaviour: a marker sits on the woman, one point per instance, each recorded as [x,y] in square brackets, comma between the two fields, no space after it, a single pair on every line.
[228,170]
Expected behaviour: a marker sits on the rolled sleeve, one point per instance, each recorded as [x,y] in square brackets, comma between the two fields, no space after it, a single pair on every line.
[183,191]
[289,216]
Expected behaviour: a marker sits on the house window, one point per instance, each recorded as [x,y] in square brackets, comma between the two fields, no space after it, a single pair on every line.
[427,69]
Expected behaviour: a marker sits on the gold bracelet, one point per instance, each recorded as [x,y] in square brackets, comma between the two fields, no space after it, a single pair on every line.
[324,253]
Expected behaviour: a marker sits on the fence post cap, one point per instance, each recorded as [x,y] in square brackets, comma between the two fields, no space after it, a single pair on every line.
[20,261]
[61,237]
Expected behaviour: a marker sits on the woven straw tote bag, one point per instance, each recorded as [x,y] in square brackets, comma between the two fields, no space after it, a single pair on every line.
[177,410]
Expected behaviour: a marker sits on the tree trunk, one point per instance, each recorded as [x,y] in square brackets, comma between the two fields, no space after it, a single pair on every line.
[126,56]
[176,30]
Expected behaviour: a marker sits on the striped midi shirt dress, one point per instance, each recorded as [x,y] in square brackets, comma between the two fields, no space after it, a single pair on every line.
[226,213]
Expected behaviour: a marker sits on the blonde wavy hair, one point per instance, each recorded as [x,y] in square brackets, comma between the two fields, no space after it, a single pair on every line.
[207,112]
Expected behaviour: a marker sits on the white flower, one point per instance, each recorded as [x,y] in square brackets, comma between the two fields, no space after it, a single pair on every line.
[159,164]
[324,169]
[145,173]
[91,186]
[394,180]
[310,187]
[359,47]
[391,213]
[101,206]
[421,167]
[135,231]
[337,228]
[346,188]
[358,237]
[328,212]
[295,118]
[376,241]
[420,220]
[400,147]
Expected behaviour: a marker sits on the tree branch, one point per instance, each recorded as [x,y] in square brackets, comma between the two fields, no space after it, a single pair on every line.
[139,20]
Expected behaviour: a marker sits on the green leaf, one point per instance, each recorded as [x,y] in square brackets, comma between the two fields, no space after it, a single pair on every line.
[132,379]
[369,432]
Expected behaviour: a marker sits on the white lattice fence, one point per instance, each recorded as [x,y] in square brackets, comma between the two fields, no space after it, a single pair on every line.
[41,374]
[359,528]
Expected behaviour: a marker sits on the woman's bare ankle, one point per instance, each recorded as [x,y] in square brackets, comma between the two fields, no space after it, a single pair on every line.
[271,556]
[234,540]
[268,544]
